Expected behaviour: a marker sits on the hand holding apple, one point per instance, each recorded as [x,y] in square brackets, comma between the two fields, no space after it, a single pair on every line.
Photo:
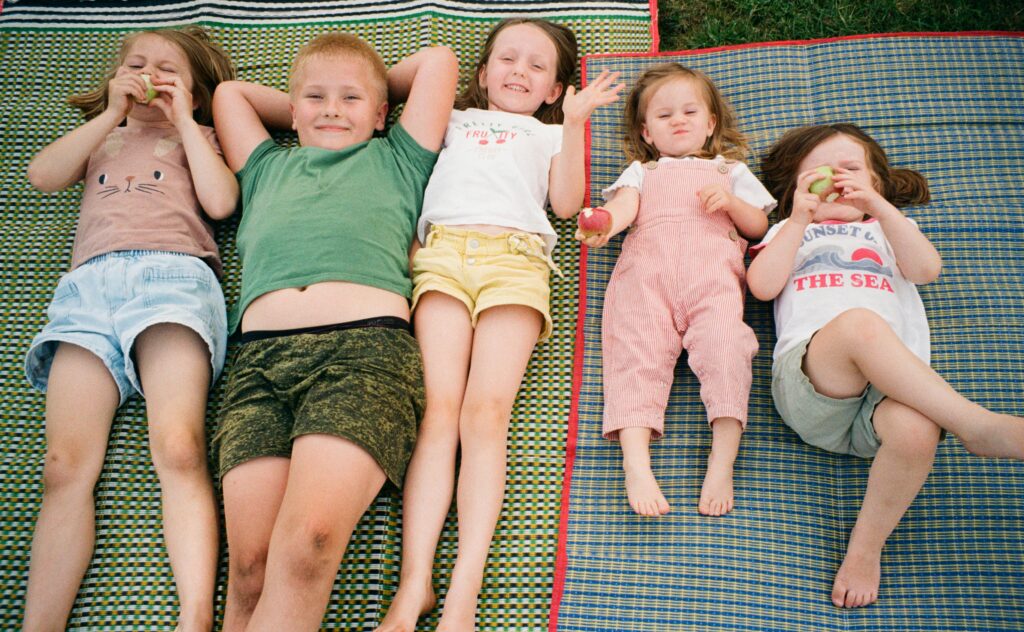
[594,221]
[824,187]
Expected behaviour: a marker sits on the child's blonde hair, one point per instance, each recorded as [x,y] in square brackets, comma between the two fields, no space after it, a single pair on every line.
[337,44]
[208,64]
[725,140]
[781,166]
[475,95]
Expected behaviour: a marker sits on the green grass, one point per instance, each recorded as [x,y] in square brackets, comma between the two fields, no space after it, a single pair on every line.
[687,24]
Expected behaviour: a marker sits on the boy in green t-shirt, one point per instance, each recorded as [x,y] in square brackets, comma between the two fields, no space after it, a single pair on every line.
[324,398]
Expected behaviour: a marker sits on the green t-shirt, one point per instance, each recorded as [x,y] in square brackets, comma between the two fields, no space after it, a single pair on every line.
[311,215]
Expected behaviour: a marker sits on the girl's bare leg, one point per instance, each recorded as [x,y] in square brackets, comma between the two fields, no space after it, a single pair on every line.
[174,366]
[858,347]
[898,472]
[502,345]
[81,400]
[445,333]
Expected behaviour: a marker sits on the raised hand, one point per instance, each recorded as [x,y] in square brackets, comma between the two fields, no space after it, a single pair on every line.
[578,106]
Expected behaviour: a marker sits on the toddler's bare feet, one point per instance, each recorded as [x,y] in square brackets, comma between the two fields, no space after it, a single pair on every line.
[716,497]
[412,601]
[459,613]
[999,436]
[856,583]
[645,496]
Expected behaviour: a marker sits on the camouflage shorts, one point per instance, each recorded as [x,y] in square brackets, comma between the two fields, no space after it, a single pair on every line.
[364,385]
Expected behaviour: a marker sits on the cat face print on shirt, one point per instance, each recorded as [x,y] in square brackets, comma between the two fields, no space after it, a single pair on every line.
[133,176]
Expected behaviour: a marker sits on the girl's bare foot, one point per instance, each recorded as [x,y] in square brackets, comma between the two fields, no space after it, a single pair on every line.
[856,583]
[716,496]
[645,496]
[412,601]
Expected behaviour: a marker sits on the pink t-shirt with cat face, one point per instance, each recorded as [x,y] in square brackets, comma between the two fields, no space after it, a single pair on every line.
[139,195]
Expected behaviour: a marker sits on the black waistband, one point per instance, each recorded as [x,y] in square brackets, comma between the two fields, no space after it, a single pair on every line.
[385,322]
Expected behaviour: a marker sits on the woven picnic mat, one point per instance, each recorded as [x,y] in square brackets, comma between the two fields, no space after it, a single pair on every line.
[53,49]
[949,106]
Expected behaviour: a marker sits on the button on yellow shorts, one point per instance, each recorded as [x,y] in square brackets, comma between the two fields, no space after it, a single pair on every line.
[485,271]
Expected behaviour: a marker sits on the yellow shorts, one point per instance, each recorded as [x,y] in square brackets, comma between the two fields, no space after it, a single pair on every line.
[485,271]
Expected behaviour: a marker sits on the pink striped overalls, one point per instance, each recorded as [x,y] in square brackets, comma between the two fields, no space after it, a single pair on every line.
[679,282]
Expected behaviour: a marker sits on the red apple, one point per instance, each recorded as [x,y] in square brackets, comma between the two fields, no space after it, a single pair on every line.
[594,221]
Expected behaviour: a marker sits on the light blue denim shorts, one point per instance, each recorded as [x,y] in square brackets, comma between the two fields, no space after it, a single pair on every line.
[104,304]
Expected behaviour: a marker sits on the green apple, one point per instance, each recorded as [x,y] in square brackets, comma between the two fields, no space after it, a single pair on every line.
[150,90]
[823,185]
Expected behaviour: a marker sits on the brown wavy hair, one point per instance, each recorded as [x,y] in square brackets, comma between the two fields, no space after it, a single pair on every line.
[475,95]
[726,138]
[208,64]
[781,166]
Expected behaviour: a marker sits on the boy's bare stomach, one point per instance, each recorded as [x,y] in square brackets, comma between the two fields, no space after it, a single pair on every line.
[324,303]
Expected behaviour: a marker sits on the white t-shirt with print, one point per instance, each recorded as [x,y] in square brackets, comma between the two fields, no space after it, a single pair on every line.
[839,266]
[493,169]
[745,184]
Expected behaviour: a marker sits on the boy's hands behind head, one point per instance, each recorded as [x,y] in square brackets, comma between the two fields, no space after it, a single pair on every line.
[578,106]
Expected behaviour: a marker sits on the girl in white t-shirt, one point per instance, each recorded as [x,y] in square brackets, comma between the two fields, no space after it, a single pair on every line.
[679,280]
[480,292]
[850,371]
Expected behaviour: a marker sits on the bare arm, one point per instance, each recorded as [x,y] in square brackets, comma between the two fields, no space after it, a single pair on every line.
[769,271]
[63,162]
[623,207]
[216,187]
[425,81]
[917,258]
[242,113]
[567,180]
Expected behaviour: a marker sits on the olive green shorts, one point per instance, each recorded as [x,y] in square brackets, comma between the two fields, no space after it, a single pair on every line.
[361,384]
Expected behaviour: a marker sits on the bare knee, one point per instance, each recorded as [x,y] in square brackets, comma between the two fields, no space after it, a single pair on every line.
[905,430]
[178,451]
[485,418]
[247,570]
[68,470]
[313,552]
[441,415]
[861,324]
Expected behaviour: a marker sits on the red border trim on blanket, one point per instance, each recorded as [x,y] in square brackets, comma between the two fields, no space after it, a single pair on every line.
[655,34]
[562,556]
[808,42]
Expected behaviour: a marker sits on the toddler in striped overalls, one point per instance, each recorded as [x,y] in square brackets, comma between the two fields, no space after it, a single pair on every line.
[679,282]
